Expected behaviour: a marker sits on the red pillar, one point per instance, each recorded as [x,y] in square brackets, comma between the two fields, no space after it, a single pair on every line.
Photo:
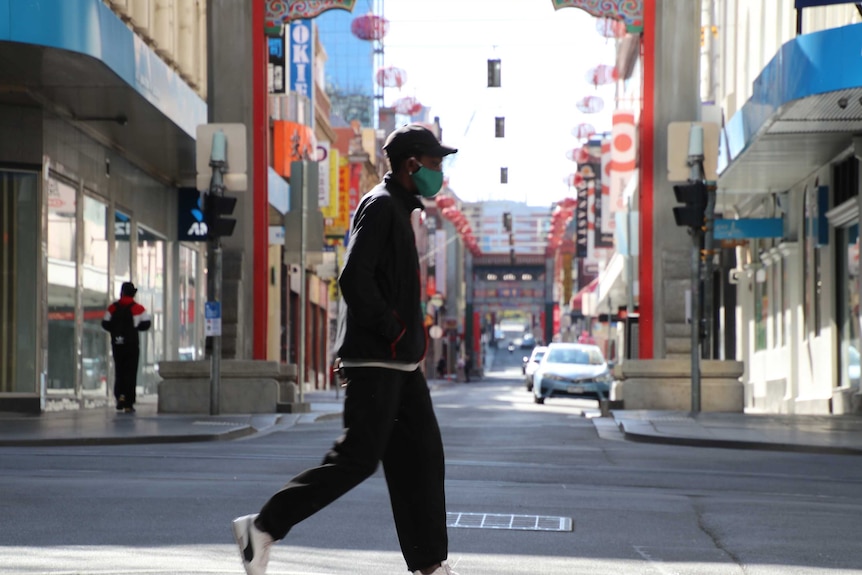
[260,174]
[647,141]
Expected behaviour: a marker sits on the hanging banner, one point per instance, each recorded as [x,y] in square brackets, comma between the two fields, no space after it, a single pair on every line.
[623,157]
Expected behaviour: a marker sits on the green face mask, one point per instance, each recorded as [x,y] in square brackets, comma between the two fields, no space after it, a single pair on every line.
[428,181]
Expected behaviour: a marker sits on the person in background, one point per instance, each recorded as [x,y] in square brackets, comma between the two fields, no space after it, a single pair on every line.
[388,415]
[124,319]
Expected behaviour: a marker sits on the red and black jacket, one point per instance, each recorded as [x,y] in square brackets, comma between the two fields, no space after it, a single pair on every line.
[140,318]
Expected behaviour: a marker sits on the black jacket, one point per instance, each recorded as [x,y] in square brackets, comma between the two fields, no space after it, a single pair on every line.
[380,318]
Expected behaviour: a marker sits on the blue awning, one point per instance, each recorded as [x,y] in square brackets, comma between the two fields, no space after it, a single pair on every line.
[79,60]
[805,107]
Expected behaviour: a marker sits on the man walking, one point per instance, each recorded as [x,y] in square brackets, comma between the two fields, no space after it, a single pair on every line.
[124,319]
[388,416]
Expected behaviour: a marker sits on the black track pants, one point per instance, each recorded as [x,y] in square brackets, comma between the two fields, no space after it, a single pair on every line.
[388,417]
[125,373]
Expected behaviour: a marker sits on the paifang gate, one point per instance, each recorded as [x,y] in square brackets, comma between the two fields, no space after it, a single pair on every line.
[499,284]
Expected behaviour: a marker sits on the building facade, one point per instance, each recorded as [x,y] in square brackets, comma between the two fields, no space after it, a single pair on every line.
[97,149]
[787,83]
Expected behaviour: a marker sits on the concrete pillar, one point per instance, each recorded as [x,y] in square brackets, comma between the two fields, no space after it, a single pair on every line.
[677,98]
[230,99]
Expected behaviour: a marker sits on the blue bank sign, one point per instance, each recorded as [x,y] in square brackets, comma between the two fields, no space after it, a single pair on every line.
[752,228]
[812,3]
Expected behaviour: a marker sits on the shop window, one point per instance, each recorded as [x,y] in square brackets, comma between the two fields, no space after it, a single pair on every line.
[190,326]
[61,241]
[812,285]
[776,281]
[95,298]
[761,308]
[150,281]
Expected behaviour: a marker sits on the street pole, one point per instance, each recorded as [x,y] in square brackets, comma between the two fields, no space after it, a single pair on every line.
[217,163]
[695,321]
[695,162]
[630,288]
[708,351]
[303,247]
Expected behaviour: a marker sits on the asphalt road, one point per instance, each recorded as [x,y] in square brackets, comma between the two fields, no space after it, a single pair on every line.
[634,508]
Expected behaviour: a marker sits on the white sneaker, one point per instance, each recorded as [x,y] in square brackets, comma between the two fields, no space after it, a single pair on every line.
[253,544]
[444,569]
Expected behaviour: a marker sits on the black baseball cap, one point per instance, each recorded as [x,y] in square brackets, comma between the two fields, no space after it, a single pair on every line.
[415,139]
[128,289]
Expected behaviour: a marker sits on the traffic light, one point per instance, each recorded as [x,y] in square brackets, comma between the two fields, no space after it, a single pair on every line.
[494,73]
[693,196]
[507,221]
[215,208]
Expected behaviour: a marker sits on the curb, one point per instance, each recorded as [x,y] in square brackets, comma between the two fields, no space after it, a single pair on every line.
[735,444]
[235,433]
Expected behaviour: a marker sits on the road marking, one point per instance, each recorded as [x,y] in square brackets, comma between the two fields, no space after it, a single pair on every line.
[658,565]
[508,521]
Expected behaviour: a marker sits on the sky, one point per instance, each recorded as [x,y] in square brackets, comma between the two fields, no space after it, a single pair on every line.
[444,46]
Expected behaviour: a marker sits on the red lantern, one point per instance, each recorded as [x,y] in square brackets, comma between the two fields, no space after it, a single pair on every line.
[568,203]
[590,104]
[602,74]
[444,202]
[391,77]
[579,155]
[583,131]
[407,106]
[369,27]
[575,180]
[610,28]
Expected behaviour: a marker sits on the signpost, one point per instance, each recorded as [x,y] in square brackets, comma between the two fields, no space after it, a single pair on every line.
[227,166]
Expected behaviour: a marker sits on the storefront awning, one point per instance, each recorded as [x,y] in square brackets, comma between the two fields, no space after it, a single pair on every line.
[80,62]
[805,108]
[577,301]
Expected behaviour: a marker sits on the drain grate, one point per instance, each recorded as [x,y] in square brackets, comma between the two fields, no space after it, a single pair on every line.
[507,521]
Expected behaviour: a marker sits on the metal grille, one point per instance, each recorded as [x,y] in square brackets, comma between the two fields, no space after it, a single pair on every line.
[507,521]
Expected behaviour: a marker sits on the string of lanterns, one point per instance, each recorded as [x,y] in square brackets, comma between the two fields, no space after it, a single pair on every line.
[450,211]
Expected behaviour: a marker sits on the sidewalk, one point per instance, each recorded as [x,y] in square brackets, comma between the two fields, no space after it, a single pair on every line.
[834,434]
[106,426]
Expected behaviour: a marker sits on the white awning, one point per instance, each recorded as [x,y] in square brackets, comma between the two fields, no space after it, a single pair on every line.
[611,290]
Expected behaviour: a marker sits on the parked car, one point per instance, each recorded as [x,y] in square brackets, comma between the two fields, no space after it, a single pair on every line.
[572,370]
[531,362]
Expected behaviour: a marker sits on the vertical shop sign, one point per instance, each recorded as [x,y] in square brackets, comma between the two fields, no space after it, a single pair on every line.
[355,179]
[324,171]
[581,223]
[301,50]
[276,65]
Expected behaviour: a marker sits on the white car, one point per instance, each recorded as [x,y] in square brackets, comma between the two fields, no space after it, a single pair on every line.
[572,370]
[531,363]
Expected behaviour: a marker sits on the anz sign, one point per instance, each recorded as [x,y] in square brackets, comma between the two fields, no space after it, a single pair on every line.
[191,226]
